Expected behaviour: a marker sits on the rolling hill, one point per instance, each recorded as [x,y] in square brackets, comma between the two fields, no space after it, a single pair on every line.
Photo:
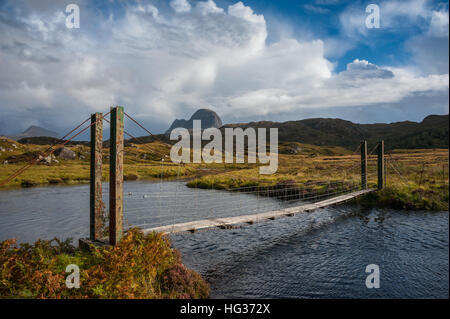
[432,132]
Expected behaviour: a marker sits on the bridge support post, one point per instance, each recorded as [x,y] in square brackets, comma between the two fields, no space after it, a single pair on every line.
[95,229]
[116,150]
[364,165]
[380,164]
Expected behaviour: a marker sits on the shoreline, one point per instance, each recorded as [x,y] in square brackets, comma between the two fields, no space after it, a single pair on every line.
[390,197]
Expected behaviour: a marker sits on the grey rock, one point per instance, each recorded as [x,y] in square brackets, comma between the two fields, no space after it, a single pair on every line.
[65,153]
[208,117]
[293,149]
[45,160]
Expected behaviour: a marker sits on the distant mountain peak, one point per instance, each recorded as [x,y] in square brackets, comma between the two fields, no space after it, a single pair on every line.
[208,117]
[34,131]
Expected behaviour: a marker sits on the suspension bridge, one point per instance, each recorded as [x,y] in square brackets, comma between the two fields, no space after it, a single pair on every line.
[241,205]
[228,222]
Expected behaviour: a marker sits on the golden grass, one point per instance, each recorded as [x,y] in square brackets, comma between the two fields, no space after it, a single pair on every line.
[407,171]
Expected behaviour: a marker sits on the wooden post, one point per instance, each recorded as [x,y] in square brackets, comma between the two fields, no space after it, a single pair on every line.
[95,232]
[364,165]
[116,176]
[380,165]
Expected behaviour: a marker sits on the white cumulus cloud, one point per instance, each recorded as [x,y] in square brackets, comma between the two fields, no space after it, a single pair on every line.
[180,6]
[164,65]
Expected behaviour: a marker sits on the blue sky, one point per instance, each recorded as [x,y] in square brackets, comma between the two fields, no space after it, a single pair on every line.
[384,46]
[248,61]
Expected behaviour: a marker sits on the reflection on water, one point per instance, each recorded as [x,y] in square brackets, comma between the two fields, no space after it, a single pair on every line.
[31,213]
[322,254]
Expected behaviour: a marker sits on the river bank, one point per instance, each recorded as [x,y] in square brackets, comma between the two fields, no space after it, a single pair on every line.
[434,197]
[415,179]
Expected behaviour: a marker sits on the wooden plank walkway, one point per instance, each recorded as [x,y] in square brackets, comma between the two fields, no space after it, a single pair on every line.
[227,222]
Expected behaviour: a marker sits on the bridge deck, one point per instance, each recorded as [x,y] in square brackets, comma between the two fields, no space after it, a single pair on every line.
[253,218]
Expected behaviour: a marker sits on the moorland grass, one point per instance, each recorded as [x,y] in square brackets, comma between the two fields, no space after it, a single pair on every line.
[415,179]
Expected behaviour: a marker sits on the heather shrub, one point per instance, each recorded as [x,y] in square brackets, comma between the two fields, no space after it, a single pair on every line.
[138,267]
[180,282]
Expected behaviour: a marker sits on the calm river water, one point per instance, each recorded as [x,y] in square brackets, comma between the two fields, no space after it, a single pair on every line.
[322,254]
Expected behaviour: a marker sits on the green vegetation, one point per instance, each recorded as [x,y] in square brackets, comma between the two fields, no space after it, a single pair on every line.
[416,179]
[138,267]
[141,162]
[295,148]
[409,197]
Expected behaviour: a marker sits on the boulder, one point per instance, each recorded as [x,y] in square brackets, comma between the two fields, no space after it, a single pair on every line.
[65,153]
[293,149]
[45,160]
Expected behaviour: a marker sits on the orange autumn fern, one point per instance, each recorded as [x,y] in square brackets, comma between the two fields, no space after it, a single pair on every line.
[139,267]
